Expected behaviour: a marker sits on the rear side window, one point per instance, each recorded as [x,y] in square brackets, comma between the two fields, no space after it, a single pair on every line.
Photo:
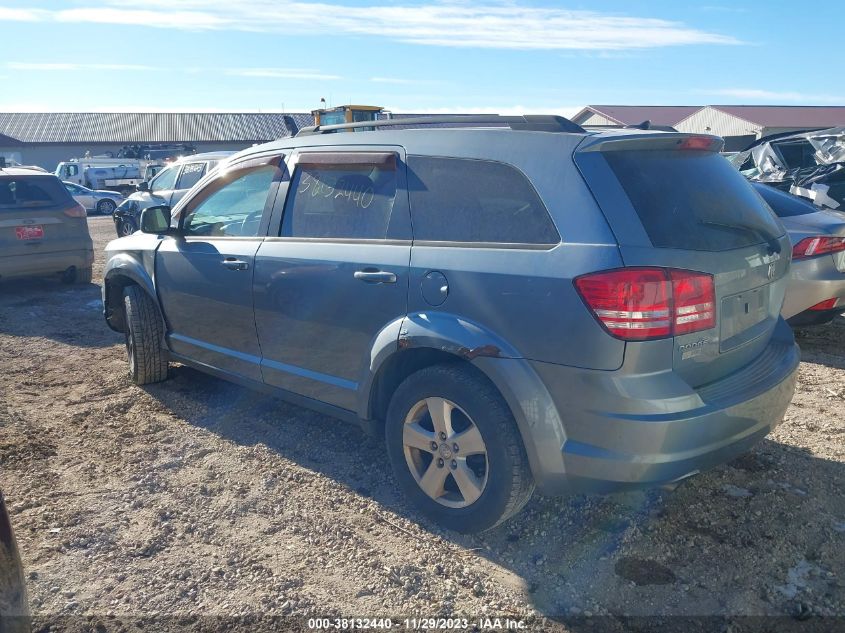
[784,205]
[465,200]
[693,200]
[353,201]
[191,174]
[32,192]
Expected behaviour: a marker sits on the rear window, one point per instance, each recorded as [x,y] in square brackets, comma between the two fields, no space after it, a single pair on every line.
[784,205]
[693,200]
[30,192]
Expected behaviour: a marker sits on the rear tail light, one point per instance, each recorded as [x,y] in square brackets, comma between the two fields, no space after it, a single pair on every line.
[76,211]
[699,143]
[638,304]
[820,245]
[829,304]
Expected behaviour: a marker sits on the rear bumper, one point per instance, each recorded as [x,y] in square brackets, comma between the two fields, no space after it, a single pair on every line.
[38,264]
[618,432]
[811,282]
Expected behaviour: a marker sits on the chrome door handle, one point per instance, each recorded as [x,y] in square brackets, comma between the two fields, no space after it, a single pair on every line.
[235,264]
[373,276]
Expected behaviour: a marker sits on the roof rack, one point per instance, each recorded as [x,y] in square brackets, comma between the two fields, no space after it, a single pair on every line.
[527,122]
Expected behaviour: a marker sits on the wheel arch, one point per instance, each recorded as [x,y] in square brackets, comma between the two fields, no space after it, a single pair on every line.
[430,339]
[123,270]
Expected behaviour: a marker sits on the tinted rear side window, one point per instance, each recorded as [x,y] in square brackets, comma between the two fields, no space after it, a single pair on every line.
[693,200]
[785,205]
[463,200]
[191,175]
[32,192]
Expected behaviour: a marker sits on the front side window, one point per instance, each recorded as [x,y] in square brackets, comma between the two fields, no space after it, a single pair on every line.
[165,180]
[465,200]
[352,201]
[72,170]
[233,208]
[191,174]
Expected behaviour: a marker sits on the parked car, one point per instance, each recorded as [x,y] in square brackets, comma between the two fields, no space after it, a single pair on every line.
[507,306]
[168,187]
[43,230]
[14,610]
[809,164]
[816,290]
[100,201]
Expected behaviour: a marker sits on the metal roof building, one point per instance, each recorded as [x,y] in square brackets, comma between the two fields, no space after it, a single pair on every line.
[738,124]
[46,138]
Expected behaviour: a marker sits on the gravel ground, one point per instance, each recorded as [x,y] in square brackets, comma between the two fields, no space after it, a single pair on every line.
[197,498]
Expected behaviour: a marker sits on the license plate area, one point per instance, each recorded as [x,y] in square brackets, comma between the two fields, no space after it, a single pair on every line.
[34,232]
[744,317]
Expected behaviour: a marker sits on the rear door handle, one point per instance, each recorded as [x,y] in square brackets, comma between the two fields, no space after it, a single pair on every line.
[374,276]
[235,264]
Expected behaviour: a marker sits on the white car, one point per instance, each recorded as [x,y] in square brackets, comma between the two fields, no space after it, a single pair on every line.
[99,201]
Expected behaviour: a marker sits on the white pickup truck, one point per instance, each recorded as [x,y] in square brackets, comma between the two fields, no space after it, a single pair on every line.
[113,174]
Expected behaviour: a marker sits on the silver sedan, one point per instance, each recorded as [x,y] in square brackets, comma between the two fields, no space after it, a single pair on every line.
[816,290]
[98,201]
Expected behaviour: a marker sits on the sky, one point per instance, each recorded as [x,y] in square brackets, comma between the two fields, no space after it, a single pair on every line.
[514,56]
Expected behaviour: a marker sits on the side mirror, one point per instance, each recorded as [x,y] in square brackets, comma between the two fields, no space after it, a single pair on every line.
[156,220]
[143,186]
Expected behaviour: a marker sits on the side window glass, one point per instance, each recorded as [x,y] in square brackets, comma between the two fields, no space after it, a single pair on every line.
[165,179]
[352,201]
[191,175]
[463,200]
[72,170]
[233,209]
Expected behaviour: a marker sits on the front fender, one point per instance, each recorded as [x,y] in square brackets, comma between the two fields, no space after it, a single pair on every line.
[122,269]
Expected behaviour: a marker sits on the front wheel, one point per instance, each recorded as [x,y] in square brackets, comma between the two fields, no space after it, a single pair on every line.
[126,227]
[144,334]
[455,449]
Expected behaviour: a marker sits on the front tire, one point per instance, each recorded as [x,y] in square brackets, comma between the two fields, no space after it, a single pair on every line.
[144,334]
[455,449]
[126,227]
[106,207]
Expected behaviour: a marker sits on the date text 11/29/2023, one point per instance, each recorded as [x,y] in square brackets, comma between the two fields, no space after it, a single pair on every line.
[417,624]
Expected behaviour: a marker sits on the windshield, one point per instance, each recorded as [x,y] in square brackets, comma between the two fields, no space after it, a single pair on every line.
[693,200]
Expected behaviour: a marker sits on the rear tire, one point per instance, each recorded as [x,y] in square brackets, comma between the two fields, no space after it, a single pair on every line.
[492,460]
[106,207]
[144,334]
[74,275]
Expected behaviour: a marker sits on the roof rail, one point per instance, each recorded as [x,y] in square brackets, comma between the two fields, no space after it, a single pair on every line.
[527,122]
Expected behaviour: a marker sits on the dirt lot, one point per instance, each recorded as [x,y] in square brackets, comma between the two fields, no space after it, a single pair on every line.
[199,498]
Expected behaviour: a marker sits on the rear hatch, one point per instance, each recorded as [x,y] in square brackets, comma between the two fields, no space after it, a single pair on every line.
[674,202]
[38,215]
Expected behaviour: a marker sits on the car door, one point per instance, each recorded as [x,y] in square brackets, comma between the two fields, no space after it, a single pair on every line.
[162,186]
[190,175]
[333,272]
[204,272]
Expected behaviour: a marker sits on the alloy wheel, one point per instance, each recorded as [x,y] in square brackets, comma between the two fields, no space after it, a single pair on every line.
[445,452]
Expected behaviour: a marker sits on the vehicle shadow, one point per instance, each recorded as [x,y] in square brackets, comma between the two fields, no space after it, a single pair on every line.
[71,314]
[762,535]
[823,344]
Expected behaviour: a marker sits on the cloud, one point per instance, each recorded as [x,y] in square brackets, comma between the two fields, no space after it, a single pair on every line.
[65,67]
[14,14]
[281,73]
[394,80]
[772,95]
[459,25]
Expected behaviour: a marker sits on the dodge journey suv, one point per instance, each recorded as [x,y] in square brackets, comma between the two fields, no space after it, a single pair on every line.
[521,303]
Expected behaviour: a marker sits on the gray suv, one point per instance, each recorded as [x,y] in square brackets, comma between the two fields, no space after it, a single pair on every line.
[513,304]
